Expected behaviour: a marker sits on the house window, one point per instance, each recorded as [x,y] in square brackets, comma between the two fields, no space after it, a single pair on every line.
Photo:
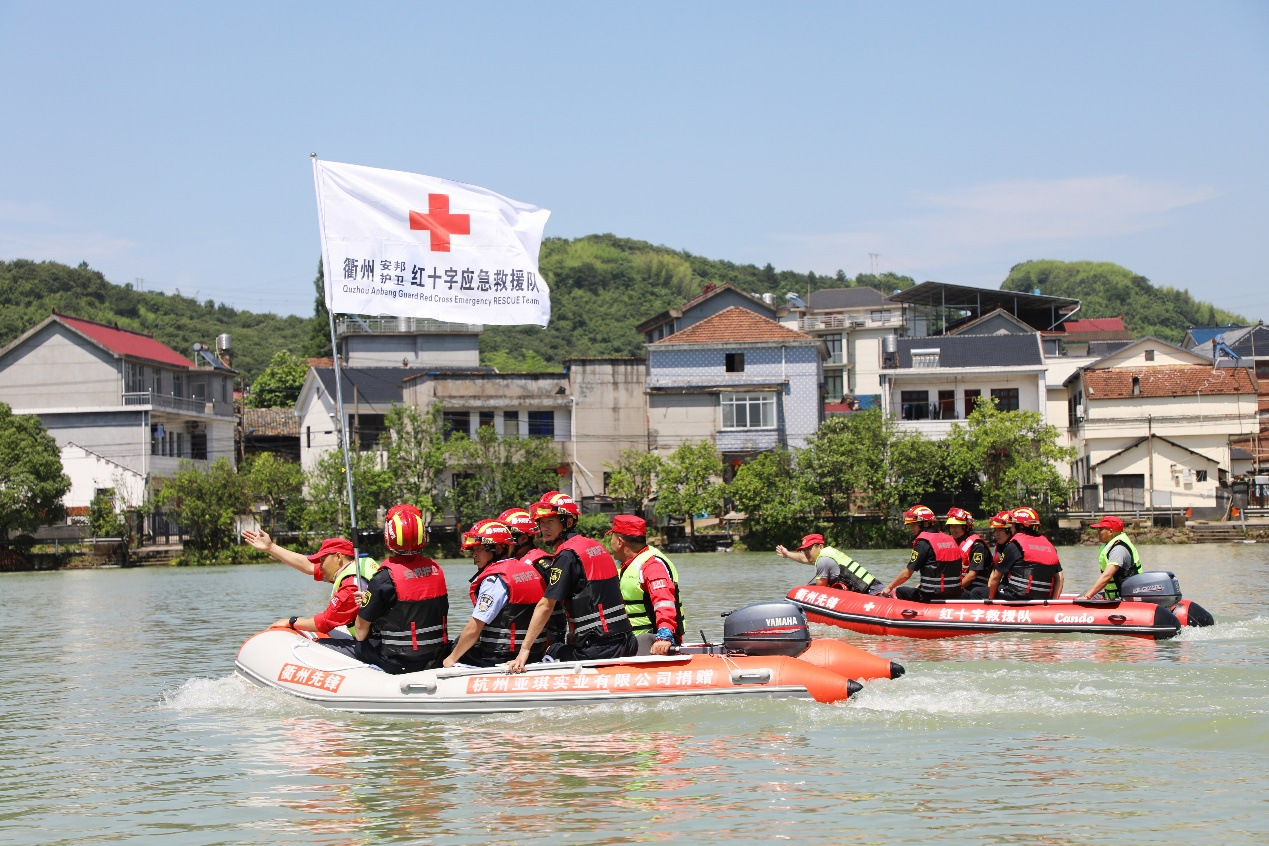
[1006,398]
[834,385]
[178,385]
[486,418]
[368,429]
[914,405]
[748,411]
[834,344]
[511,424]
[1200,475]
[156,381]
[541,424]
[972,397]
[198,445]
[133,377]
[947,405]
[1149,355]
[735,362]
[308,436]
[456,423]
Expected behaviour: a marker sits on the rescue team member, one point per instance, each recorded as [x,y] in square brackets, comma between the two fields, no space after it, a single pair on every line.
[833,568]
[522,527]
[1118,558]
[504,592]
[934,554]
[649,587]
[1029,566]
[401,626]
[584,577]
[976,564]
[1001,525]
[331,563]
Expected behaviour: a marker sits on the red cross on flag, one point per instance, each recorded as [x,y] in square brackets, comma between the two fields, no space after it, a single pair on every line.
[410,245]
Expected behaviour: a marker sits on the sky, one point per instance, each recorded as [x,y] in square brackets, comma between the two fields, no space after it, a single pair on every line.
[169,142]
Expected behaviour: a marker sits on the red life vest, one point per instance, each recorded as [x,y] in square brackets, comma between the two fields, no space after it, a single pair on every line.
[413,629]
[942,575]
[967,551]
[1033,576]
[596,610]
[501,637]
[557,625]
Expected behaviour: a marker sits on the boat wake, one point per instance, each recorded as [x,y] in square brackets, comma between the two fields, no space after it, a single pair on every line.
[230,693]
[1257,628]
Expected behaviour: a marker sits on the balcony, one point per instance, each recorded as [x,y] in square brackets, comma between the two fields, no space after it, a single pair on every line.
[149,399]
[403,326]
[935,430]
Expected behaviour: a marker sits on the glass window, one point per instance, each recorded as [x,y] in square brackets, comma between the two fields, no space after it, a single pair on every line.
[834,344]
[486,418]
[156,381]
[947,405]
[132,377]
[914,405]
[972,396]
[735,362]
[541,424]
[748,411]
[457,423]
[1149,355]
[834,386]
[178,385]
[1006,398]
[511,424]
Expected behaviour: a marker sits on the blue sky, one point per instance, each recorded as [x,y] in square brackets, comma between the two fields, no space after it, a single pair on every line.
[170,141]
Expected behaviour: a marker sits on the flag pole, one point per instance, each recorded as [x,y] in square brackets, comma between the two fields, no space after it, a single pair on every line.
[340,423]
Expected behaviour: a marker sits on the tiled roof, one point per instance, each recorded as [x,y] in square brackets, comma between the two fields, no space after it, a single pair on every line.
[270,421]
[976,350]
[1182,380]
[735,325]
[125,342]
[1095,324]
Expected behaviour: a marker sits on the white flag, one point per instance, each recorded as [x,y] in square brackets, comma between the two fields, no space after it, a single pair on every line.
[417,246]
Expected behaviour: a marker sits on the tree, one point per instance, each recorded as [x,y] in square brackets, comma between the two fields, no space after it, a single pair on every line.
[915,466]
[499,473]
[416,457]
[277,483]
[279,385]
[205,502]
[32,483]
[685,484]
[105,516]
[1012,455]
[318,343]
[846,456]
[773,494]
[632,476]
[327,507]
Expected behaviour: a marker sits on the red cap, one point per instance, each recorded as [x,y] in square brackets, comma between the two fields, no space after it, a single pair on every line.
[330,545]
[628,524]
[810,541]
[1109,522]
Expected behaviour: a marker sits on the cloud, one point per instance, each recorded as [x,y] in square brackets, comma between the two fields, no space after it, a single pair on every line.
[969,225]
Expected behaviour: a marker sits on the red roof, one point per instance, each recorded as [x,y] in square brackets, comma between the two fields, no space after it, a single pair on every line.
[1095,324]
[734,324]
[1182,380]
[125,342]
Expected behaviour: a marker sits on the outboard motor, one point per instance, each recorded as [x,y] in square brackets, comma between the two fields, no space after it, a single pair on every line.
[767,628]
[1162,588]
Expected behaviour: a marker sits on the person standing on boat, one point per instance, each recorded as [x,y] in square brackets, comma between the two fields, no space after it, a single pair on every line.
[833,568]
[649,586]
[401,625]
[1118,558]
[1029,567]
[584,577]
[522,527]
[975,556]
[504,592]
[333,562]
[934,554]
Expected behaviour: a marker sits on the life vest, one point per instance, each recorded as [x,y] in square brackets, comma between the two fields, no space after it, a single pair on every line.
[367,567]
[638,602]
[851,575]
[1033,576]
[967,553]
[557,625]
[1111,591]
[597,609]
[943,574]
[502,636]
[413,629]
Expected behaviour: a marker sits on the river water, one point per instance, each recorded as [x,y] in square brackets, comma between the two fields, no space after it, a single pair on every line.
[123,722]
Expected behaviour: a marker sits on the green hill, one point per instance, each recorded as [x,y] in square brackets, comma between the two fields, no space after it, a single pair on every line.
[30,290]
[1108,290]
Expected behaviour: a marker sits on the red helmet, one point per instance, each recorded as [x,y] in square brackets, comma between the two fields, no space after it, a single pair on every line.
[404,530]
[487,533]
[918,514]
[1001,520]
[554,503]
[959,517]
[1026,516]
[518,520]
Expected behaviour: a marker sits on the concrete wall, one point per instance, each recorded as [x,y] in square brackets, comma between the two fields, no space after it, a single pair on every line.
[120,436]
[675,418]
[90,472]
[419,350]
[58,368]
[1029,385]
[611,415]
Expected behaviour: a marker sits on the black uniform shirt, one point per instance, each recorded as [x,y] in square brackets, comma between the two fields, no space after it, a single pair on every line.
[922,554]
[383,595]
[565,577]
